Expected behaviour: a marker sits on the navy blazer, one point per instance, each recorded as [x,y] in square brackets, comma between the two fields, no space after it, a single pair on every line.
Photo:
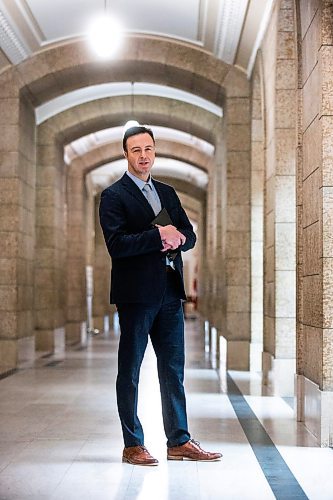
[138,265]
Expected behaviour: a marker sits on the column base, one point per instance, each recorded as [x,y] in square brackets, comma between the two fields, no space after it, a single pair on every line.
[315,410]
[8,356]
[279,374]
[51,340]
[238,355]
[76,333]
[26,351]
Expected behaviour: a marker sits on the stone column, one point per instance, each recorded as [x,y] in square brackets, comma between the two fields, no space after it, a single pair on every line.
[315,312]
[51,233]
[101,276]
[76,255]
[237,235]
[257,220]
[17,193]
[280,202]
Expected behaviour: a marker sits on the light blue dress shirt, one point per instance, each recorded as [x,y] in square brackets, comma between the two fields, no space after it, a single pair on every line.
[140,183]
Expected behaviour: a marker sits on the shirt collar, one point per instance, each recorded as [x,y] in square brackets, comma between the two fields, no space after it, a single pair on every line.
[139,182]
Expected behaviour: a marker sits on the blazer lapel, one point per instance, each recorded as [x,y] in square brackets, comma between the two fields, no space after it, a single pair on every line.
[134,191]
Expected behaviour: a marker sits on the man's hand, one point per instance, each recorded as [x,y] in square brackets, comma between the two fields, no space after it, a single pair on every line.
[171,237]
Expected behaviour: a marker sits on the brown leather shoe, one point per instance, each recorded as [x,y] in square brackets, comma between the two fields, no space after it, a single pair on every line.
[138,455]
[192,451]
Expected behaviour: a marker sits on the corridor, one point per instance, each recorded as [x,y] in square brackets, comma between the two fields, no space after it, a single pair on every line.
[60,437]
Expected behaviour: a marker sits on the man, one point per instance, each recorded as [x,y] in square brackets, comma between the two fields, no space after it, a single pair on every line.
[147,288]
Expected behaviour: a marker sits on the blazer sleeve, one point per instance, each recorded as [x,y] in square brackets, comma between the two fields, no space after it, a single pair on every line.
[120,243]
[185,227]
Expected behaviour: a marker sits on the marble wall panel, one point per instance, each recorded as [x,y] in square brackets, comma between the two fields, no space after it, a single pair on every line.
[311,98]
[325,59]
[285,45]
[310,47]
[238,218]
[308,9]
[238,138]
[312,249]
[238,164]
[238,299]
[285,151]
[285,294]
[327,263]
[328,359]
[285,195]
[312,150]
[238,271]
[327,214]
[312,300]
[238,192]
[313,360]
[327,150]
[238,325]
[327,23]
[285,108]
[238,244]
[285,330]
[285,246]
[312,198]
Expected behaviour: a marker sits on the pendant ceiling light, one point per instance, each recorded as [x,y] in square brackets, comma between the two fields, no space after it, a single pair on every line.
[105,34]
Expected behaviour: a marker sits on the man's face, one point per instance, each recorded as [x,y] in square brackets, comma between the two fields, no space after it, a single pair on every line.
[140,155]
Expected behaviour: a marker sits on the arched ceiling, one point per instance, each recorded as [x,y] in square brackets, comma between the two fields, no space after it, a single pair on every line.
[229,30]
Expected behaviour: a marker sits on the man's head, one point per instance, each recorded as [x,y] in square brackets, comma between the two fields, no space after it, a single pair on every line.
[139,150]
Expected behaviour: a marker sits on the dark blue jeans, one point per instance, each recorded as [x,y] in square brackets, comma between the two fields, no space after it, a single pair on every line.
[164,323]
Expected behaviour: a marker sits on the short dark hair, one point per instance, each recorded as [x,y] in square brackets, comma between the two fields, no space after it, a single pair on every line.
[138,129]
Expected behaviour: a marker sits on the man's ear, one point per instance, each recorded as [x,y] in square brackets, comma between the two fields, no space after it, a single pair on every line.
[125,153]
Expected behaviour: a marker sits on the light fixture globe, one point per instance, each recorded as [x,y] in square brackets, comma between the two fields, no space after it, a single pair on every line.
[105,36]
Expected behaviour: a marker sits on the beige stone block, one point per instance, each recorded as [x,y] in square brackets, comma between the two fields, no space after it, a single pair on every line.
[325,58]
[238,192]
[285,198]
[8,272]
[313,341]
[269,299]
[257,224]
[285,294]
[238,137]
[9,138]
[238,271]
[8,355]
[257,157]
[236,83]
[327,292]
[285,141]
[238,326]
[286,109]
[307,9]
[269,334]
[269,221]
[270,264]
[9,217]
[312,196]
[238,244]
[327,360]
[8,298]
[312,149]
[270,159]
[256,110]
[312,249]
[285,338]
[238,110]
[312,300]
[9,112]
[327,150]
[238,218]
[310,47]
[257,130]
[270,194]
[311,97]
[257,295]
[327,204]
[285,246]
[286,20]
[256,258]
[238,355]
[8,244]
[238,298]
[9,162]
[285,45]
[326,26]
[9,324]
[257,188]
[238,164]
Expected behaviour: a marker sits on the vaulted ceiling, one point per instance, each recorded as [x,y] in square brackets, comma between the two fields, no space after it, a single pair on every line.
[228,29]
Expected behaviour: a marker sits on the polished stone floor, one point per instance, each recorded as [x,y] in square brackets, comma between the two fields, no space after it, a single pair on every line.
[60,436]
